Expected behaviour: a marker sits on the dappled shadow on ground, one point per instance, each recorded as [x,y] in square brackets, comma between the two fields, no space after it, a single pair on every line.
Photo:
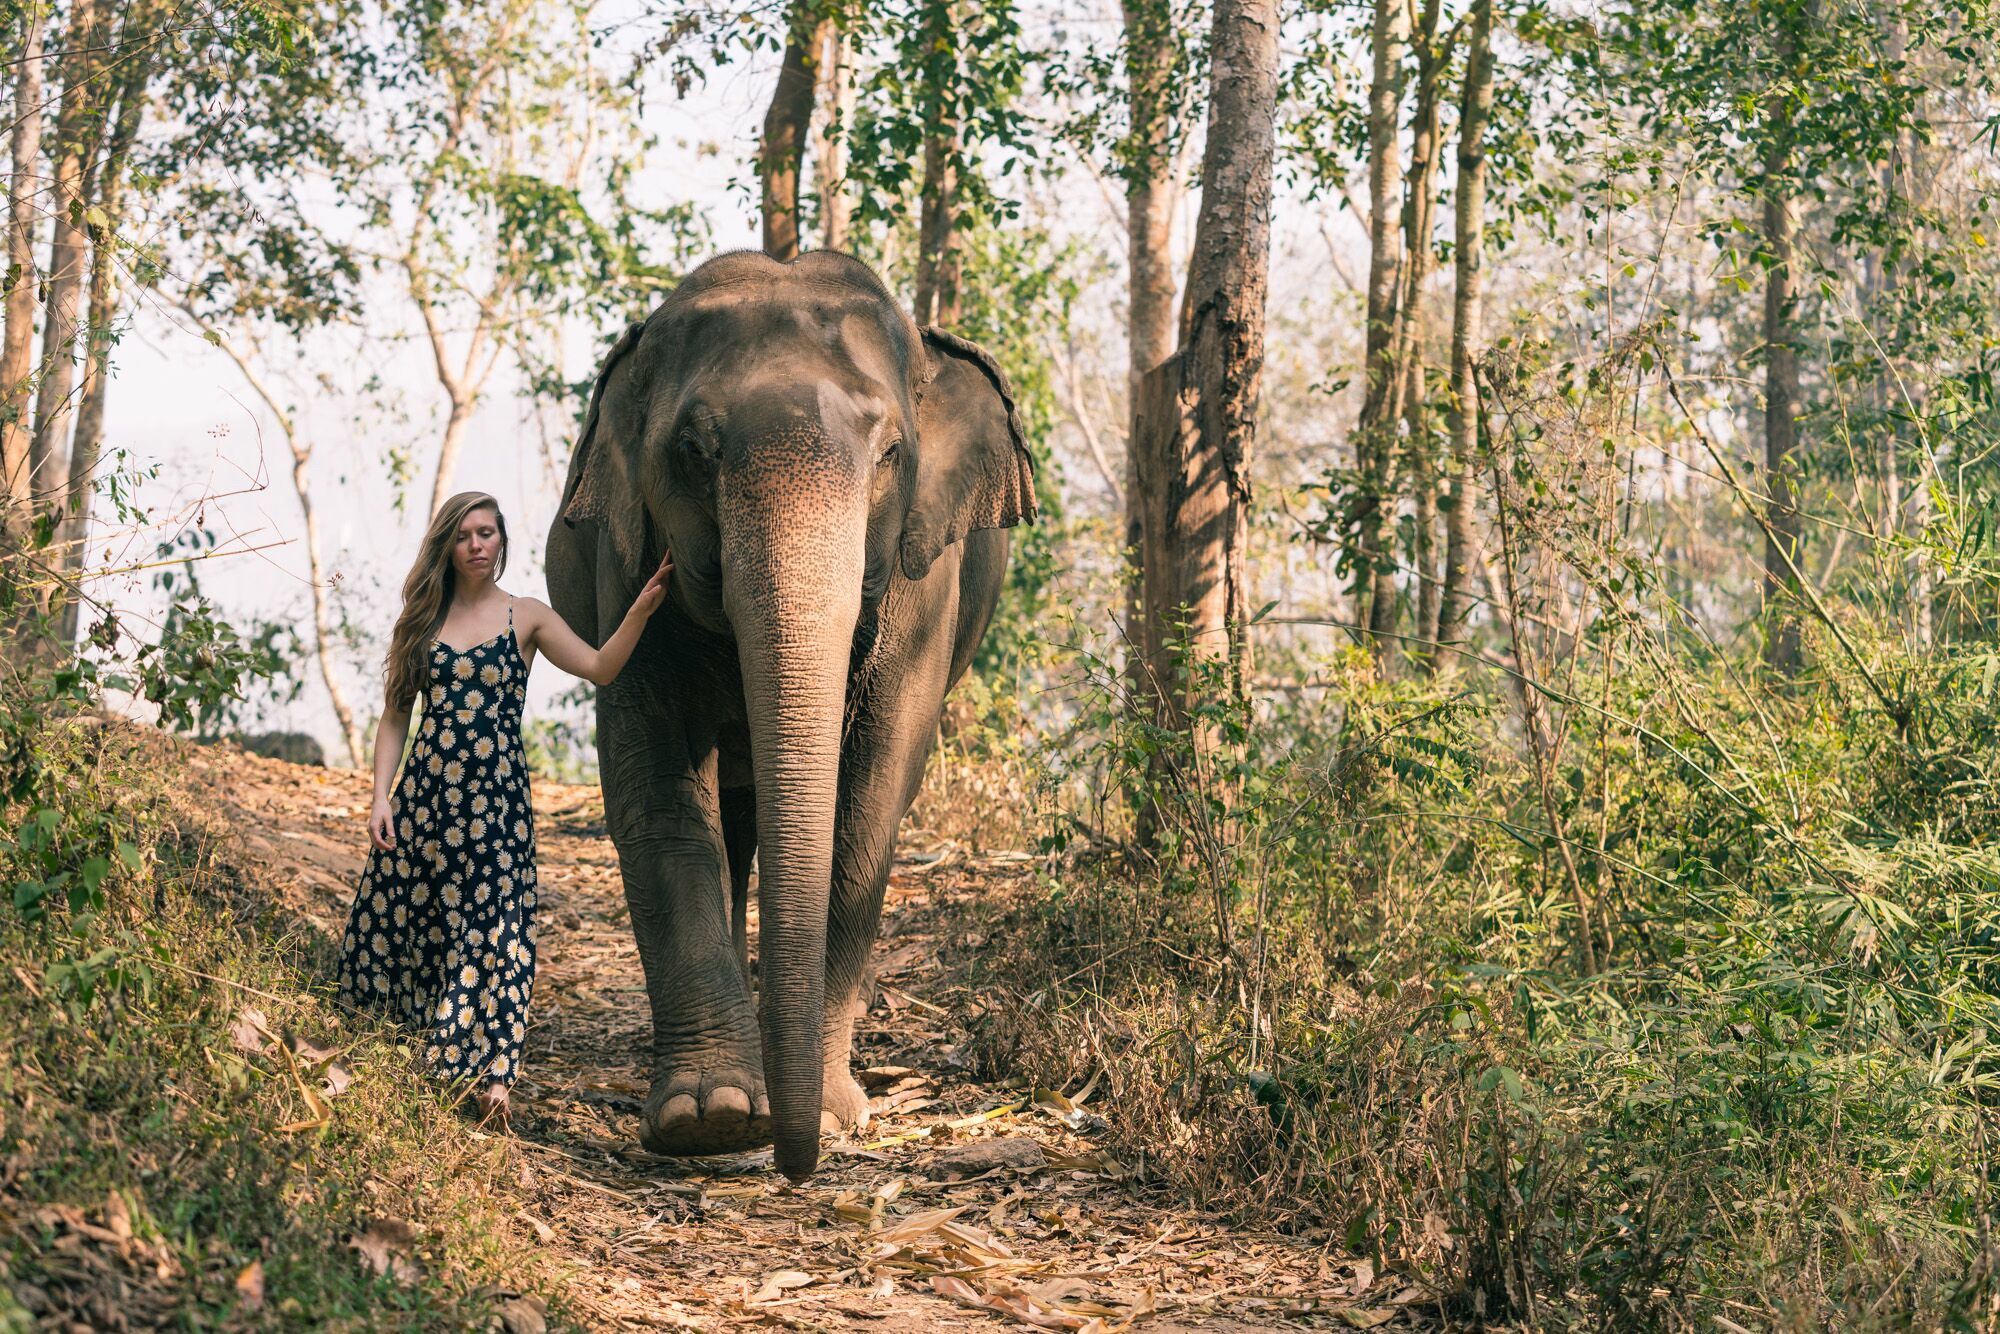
[961,1204]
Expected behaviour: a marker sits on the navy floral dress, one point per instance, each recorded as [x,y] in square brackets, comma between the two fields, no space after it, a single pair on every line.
[441,934]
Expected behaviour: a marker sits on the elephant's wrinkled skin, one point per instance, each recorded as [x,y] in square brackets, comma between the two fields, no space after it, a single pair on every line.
[833,485]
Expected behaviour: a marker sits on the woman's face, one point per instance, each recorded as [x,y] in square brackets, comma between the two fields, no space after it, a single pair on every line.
[477,550]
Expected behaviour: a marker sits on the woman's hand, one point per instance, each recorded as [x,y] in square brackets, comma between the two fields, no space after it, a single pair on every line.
[655,592]
[382,825]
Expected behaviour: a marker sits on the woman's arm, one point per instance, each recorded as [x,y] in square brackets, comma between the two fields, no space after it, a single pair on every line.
[390,733]
[600,666]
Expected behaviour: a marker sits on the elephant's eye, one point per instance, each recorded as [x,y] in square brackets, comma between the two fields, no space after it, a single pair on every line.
[889,454]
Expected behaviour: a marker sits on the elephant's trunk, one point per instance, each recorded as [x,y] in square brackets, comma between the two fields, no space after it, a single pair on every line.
[792,585]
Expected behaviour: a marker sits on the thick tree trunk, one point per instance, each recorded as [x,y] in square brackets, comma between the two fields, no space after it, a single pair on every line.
[1150,196]
[836,200]
[1469,275]
[937,248]
[17,344]
[786,123]
[1781,410]
[1375,433]
[1198,412]
[1418,225]
[68,261]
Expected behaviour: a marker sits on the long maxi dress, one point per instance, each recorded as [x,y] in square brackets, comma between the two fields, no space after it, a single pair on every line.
[441,934]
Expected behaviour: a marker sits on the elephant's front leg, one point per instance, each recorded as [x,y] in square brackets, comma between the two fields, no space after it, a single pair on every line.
[662,807]
[895,725]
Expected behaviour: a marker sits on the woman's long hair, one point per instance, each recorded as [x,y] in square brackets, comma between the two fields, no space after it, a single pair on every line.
[428,593]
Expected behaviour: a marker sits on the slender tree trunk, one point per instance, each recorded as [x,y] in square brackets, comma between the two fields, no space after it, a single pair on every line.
[1781,409]
[786,123]
[454,441]
[105,237]
[68,262]
[937,249]
[1419,224]
[1374,435]
[1150,197]
[1198,411]
[836,200]
[302,454]
[17,344]
[1468,262]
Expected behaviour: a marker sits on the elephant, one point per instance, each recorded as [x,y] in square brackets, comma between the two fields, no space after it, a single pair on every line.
[835,486]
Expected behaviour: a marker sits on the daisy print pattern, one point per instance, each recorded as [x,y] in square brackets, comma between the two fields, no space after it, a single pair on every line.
[445,941]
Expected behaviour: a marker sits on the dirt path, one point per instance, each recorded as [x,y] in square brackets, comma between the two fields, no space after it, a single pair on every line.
[1059,1237]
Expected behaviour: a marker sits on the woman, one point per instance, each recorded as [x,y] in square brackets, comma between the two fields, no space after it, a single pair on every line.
[441,933]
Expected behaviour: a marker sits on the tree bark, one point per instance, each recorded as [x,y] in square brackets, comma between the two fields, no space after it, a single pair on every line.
[17,343]
[1150,199]
[1418,225]
[1781,408]
[786,123]
[836,200]
[49,452]
[105,236]
[1469,278]
[1198,411]
[1374,435]
[937,249]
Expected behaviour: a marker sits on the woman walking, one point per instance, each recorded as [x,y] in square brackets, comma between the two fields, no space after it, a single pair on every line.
[441,934]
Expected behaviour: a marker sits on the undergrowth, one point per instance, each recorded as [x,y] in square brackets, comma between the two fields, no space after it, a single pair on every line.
[1346,987]
[156,1171]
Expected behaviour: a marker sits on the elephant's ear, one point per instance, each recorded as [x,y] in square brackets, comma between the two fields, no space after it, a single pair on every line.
[600,487]
[973,466]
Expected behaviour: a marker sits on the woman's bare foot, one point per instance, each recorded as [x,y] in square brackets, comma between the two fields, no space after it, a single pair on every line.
[489,1104]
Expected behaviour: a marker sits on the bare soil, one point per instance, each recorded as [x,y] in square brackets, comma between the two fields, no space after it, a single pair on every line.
[1050,1231]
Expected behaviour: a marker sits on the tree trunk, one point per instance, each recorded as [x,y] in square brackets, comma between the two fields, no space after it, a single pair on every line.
[105,237]
[1781,409]
[357,754]
[1150,196]
[836,200]
[1374,515]
[937,251]
[302,454]
[1468,262]
[17,344]
[1418,226]
[49,453]
[782,152]
[1198,412]
[454,440]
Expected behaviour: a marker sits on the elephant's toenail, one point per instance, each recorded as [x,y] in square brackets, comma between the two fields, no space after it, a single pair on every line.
[728,1102]
[680,1107]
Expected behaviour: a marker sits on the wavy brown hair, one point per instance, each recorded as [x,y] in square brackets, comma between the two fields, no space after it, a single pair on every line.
[427,595]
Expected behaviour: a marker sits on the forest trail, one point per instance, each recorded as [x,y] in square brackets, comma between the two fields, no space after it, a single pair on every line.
[881,1238]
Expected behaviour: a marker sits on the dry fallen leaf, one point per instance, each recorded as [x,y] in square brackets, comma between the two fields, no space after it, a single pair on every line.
[250,1286]
[520,1313]
[778,1284]
[250,1031]
[1366,1317]
[386,1246]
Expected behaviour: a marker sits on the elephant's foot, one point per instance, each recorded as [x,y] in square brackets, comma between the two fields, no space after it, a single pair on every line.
[699,1109]
[843,1103]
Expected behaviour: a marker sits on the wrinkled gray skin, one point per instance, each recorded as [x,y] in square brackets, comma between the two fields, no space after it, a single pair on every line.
[833,485]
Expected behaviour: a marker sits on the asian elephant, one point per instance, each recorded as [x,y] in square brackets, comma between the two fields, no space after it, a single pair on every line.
[834,485]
